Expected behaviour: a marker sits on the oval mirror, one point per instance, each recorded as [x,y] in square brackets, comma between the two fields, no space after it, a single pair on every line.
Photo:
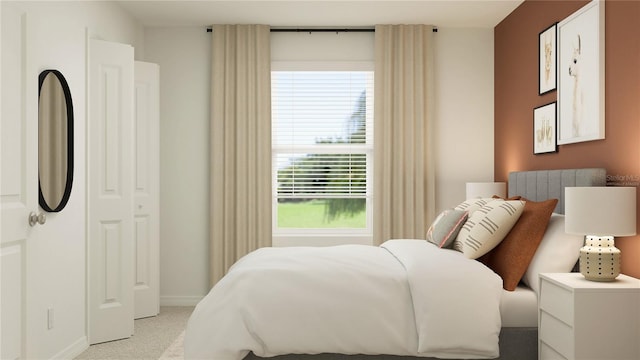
[55,141]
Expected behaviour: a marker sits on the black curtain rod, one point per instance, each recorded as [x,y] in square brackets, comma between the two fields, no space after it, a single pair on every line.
[322,30]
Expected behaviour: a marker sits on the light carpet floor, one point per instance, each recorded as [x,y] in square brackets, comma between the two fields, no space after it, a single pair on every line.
[158,337]
[176,350]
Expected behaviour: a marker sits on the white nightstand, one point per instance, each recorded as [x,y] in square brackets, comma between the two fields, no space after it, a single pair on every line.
[581,319]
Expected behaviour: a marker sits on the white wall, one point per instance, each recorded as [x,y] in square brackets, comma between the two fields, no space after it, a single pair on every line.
[56,253]
[184,56]
[464,111]
[464,139]
[302,46]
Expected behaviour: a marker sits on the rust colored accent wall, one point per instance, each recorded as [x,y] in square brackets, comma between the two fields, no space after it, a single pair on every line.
[516,95]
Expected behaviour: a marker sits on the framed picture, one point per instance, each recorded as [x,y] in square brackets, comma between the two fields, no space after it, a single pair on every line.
[581,75]
[547,58]
[544,129]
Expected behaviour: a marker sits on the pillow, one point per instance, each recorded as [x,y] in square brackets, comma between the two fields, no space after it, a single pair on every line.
[558,252]
[445,227]
[471,205]
[487,226]
[511,258]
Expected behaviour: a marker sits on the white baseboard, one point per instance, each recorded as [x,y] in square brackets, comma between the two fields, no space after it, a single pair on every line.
[180,300]
[73,350]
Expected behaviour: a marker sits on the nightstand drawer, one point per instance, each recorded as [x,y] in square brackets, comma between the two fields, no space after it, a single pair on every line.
[556,334]
[556,301]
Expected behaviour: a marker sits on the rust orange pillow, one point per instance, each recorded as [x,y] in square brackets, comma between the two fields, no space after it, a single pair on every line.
[511,258]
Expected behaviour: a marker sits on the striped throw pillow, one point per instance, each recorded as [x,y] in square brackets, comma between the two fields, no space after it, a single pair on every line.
[487,226]
[471,205]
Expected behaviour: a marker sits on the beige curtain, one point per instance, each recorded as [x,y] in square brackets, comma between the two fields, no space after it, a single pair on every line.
[240,202]
[403,157]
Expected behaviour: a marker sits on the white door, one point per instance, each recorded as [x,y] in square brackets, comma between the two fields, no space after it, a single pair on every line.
[110,191]
[146,190]
[18,184]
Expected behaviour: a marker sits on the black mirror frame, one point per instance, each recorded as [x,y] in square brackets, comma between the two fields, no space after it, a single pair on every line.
[69,104]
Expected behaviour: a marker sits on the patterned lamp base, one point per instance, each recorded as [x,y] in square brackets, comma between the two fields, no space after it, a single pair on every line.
[599,259]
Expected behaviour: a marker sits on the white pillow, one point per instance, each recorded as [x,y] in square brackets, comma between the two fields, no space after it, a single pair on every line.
[557,252]
[487,226]
[471,205]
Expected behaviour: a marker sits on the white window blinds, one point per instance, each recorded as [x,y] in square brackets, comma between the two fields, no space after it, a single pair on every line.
[322,133]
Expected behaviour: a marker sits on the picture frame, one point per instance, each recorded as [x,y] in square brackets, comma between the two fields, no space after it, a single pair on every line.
[544,129]
[581,83]
[547,59]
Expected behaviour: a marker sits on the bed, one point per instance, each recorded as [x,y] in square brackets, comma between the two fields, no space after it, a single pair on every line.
[362,302]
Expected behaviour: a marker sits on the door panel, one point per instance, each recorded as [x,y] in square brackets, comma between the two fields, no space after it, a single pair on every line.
[146,192]
[11,261]
[110,195]
[18,183]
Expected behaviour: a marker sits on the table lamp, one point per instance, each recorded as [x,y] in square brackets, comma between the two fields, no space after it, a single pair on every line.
[486,189]
[600,213]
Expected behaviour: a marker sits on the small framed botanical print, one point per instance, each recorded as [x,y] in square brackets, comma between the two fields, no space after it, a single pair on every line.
[544,129]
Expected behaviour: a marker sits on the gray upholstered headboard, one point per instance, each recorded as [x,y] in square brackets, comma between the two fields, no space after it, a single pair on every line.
[549,184]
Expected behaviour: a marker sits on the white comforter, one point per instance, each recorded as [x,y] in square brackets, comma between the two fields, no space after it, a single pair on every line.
[406,297]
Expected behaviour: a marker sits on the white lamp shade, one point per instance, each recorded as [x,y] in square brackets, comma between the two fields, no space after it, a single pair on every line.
[603,211]
[486,189]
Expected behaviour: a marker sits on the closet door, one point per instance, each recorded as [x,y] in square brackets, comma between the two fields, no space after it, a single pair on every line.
[110,129]
[146,190]
[18,183]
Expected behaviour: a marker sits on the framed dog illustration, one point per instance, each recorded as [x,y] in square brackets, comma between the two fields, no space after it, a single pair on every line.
[581,75]
[547,57]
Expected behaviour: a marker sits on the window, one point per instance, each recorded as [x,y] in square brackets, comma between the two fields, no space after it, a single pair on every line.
[322,151]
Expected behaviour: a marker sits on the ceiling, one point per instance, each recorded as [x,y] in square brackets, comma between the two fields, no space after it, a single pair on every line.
[308,13]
